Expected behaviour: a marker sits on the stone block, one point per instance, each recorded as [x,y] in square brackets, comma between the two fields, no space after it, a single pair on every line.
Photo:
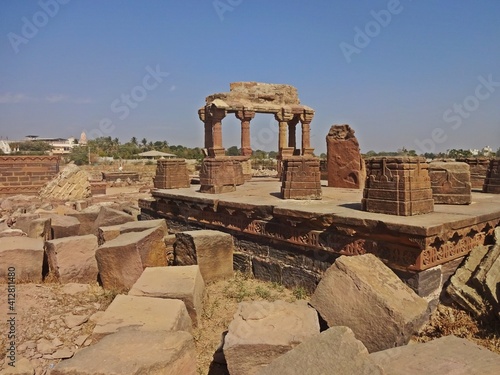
[72,259]
[492,181]
[266,270]
[25,255]
[109,216]
[360,292]
[346,355]
[87,219]
[220,175]
[461,289]
[171,174]
[182,282]
[450,182]
[132,352]
[346,167]
[122,260]
[262,331]
[397,186]
[62,225]
[446,355]
[478,169]
[146,314]
[211,250]
[301,178]
[113,231]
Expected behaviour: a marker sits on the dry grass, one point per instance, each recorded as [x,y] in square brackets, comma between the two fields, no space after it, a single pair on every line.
[450,320]
[220,304]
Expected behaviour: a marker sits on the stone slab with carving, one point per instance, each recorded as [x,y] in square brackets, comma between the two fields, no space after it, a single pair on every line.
[450,182]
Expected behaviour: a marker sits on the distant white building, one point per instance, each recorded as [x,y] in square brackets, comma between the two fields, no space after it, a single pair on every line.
[487,150]
[5,147]
[60,146]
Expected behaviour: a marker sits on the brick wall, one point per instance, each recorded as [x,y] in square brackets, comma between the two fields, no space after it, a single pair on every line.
[26,174]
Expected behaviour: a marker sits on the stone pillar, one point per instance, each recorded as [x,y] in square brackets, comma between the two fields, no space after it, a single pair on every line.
[245,116]
[305,119]
[217,114]
[292,130]
[171,174]
[207,121]
[398,186]
[283,117]
[492,180]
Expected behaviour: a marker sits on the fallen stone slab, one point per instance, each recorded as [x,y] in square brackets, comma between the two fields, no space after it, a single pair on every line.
[446,355]
[210,249]
[22,256]
[461,290]
[87,219]
[362,293]
[262,331]
[122,260]
[145,313]
[179,282]
[113,231]
[132,352]
[72,259]
[345,355]
[108,216]
[12,233]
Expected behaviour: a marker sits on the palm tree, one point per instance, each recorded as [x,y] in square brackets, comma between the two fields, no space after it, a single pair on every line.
[133,140]
[144,142]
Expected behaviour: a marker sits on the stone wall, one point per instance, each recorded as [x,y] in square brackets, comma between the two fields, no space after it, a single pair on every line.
[21,174]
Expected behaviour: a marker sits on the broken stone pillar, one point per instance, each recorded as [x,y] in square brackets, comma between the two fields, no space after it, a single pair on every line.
[211,250]
[397,186]
[181,282]
[492,181]
[478,170]
[450,182]
[171,174]
[132,352]
[23,256]
[220,175]
[301,178]
[72,259]
[262,331]
[346,167]
[362,293]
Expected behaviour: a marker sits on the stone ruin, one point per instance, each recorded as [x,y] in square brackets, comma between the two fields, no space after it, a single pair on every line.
[346,167]
[222,174]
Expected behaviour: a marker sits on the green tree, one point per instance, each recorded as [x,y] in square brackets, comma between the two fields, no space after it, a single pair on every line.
[33,147]
[458,154]
[232,151]
[144,142]
[79,155]
[273,155]
[133,140]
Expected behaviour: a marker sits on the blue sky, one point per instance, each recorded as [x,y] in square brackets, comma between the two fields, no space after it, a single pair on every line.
[423,75]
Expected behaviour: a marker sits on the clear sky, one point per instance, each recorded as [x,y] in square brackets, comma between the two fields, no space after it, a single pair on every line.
[423,75]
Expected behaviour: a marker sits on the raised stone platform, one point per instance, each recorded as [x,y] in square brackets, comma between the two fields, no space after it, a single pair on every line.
[294,242]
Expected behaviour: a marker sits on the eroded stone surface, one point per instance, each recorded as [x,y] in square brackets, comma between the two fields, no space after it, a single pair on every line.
[360,292]
[23,254]
[446,355]
[132,352]
[450,182]
[109,216]
[110,232]
[180,282]
[145,313]
[334,352]
[261,331]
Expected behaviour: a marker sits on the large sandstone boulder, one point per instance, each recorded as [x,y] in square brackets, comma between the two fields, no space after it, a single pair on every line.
[87,219]
[210,249]
[132,352]
[113,231]
[360,292]
[122,260]
[334,352]
[109,216]
[72,259]
[446,355]
[144,313]
[25,255]
[62,225]
[262,331]
[180,282]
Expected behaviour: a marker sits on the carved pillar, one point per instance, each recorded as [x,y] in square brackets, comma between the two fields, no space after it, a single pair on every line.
[305,119]
[283,117]
[245,116]
[217,114]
